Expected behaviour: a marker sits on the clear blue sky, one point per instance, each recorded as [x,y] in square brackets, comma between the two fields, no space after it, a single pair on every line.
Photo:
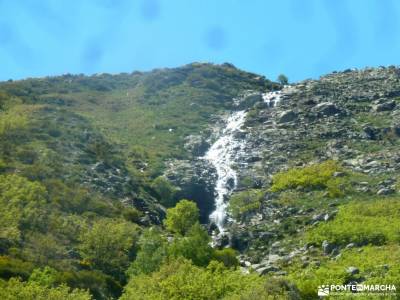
[300,38]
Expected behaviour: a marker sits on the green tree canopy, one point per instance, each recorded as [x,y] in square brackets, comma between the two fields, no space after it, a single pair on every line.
[107,244]
[152,252]
[282,79]
[180,279]
[194,246]
[15,289]
[182,217]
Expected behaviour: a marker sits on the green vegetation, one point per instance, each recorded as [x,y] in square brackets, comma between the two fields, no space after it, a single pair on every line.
[83,198]
[108,245]
[313,176]
[245,202]
[282,79]
[374,222]
[15,289]
[72,147]
[378,264]
[151,254]
[165,191]
[182,217]
[179,279]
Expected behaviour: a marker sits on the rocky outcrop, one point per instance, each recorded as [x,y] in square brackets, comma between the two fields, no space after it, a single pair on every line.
[348,116]
[196,182]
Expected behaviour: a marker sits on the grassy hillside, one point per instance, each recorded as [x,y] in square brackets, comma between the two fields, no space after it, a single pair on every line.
[78,156]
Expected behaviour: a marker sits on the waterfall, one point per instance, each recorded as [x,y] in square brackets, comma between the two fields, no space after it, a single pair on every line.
[222,156]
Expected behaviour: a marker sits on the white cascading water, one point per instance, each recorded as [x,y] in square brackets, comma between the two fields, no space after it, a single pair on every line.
[222,156]
[224,153]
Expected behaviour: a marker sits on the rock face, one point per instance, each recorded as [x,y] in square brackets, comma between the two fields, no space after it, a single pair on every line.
[341,116]
[197,145]
[196,180]
[248,100]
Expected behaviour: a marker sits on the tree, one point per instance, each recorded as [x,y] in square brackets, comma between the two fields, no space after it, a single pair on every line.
[182,217]
[22,206]
[195,246]
[282,79]
[108,244]
[44,277]
[152,252]
[180,279]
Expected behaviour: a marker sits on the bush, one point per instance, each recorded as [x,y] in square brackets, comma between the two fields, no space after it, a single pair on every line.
[245,202]
[13,267]
[100,285]
[227,256]
[180,279]
[165,191]
[312,176]
[15,289]
[375,222]
[377,265]
[282,79]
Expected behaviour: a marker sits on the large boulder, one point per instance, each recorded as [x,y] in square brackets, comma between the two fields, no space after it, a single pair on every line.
[196,145]
[249,100]
[326,109]
[386,106]
[287,116]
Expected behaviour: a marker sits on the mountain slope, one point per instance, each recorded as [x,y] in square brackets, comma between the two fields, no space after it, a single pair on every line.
[88,163]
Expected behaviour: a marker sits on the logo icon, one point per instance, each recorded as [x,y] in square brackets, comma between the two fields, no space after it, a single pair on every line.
[323,290]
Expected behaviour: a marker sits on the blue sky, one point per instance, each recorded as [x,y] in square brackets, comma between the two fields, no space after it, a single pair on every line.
[300,38]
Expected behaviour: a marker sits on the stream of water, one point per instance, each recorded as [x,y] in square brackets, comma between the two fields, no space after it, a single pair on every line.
[222,156]
[224,153]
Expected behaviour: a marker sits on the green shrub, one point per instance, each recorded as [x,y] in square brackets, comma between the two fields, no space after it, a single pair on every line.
[100,285]
[227,256]
[375,222]
[15,289]
[195,246]
[13,267]
[179,279]
[165,191]
[312,176]
[245,202]
[377,265]
[107,245]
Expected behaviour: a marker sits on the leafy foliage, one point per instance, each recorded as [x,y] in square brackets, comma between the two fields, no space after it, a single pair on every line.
[179,279]
[15,289]
[107,245]
[165,191]
[151,254]
[379,263]
[312,176]
[182,217]
[245,202]
[195,245]
[375,222]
